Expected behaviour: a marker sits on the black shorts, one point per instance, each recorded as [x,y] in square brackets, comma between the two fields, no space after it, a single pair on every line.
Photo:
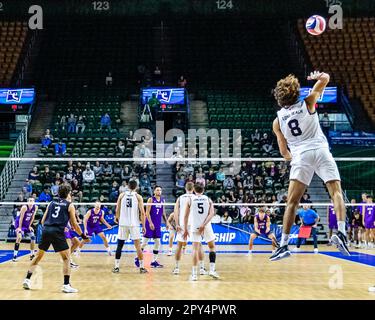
[55,236]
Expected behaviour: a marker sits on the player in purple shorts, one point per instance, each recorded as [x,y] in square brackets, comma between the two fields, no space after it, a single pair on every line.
[23,225]
[262,227]
[91,223]
[154,214]
[73,242]
[369,222]
[332,221]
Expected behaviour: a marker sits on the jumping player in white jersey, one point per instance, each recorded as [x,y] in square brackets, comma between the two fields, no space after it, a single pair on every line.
[179,216]
[130,213]
[197,223]
[297,128]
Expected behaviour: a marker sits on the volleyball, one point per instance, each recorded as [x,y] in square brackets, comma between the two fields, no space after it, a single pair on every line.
[315,25]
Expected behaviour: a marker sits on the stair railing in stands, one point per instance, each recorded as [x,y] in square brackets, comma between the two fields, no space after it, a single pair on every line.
[10,167]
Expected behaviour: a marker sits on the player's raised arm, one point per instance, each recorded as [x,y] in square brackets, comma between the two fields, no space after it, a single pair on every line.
[118,207]
[281,141]
[317,90]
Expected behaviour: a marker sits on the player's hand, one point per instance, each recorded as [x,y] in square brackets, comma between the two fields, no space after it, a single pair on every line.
[186,234]
[109,227]
[18,230]
[85,233]
[31,229]
[288,156]
[143,230]
[179,229]
[66,229]
[115,220]
[152,227]
[315,75]
[201,229]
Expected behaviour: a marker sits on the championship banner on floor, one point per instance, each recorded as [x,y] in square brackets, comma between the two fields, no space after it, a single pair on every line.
[231,234]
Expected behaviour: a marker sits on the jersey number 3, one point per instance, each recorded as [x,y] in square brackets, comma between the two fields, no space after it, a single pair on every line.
[294,127]
[57,211]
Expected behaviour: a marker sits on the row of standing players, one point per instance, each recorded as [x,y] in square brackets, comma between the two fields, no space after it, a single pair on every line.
[191,221]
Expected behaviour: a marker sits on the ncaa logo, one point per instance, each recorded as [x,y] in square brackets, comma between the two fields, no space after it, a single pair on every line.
[164,95]
[14,96]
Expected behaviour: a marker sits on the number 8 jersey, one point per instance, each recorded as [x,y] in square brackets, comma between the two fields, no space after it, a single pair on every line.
[199,210]
[301,128]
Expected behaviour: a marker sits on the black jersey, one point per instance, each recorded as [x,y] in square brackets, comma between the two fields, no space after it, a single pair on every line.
[58,214]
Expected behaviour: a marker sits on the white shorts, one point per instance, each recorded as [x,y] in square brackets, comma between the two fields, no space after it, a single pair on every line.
[125,231]
[319,161]
[208,235]
[180,235]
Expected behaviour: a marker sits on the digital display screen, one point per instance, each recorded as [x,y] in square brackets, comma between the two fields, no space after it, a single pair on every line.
[17,96]
[329,94]
[164,95]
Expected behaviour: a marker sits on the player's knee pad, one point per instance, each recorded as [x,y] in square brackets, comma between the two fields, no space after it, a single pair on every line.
[156,244]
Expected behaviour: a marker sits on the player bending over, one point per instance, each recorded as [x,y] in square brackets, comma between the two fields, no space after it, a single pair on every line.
[262,228]
[154,213]
[297,128]
[130,213]
[200,211]
[23,225]
[91,223]
[179,216]
[54,221]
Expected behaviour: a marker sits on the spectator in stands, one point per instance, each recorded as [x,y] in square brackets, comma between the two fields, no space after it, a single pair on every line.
[98,169]
[110,218]
[306,198]
[130,139]
[126,173]
[158,76]
[228,183]
[107,169]
[88,175]
[120,147]
[231,197]
[63,124]
[216,218]
[60,148]
[182,83]
[180,182]
[72,123]
[246,218]
[69,175]
[117,169]
[266,143]
[76,189]
[145,184]
[210,177]
[154,104]
[255,136]
[109,80]
[27,188]
[220,175]
[105,122]
[135,178]
[258,183]
[114,192]
[254,170]
[46,177]
[200,179]
[45,196]
[123,187]
[248,183]
[80,127]
[47,139]
[226,218]
[55,188]
[33,175]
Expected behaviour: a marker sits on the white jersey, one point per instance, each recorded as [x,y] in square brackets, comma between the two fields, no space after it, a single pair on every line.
[199,210]
[301,128]
[183,201]
[129,211]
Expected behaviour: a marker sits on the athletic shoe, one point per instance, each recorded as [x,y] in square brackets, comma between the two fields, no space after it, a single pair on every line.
[371,289]
[176,271]
[73,265]
[67,288]
[136,262]
[32,257]
[296,249]
[281,253]
[26,284]
[193,277]
[340,241]
[316,250]
[214,274]
[116,270]
[155,264]
[170,252]
[15,259]
[142,270]
[203,272]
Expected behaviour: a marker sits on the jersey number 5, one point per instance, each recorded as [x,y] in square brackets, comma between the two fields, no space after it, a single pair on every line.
[129,203]
[200,208]
[294,127]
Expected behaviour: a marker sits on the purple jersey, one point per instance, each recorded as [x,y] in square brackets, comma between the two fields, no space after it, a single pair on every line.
[361,208]
[262,224]
[332,218]
[369,217]
[26,218]
[156,213]
[94,219]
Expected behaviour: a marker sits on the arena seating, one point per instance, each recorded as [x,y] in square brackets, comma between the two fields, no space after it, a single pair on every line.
[350,61]
[12,37]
